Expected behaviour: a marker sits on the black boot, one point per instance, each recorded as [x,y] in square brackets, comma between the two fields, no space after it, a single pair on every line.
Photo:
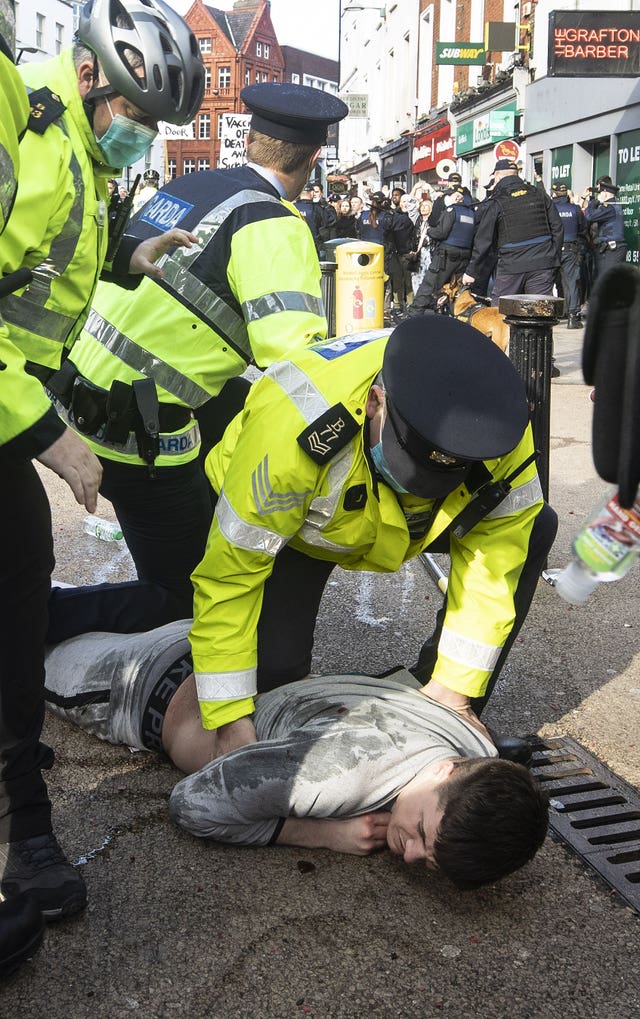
[575,322]
[21,932]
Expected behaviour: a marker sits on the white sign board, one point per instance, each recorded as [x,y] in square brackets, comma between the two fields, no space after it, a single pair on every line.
[358,103]
[234,128]
[172,132]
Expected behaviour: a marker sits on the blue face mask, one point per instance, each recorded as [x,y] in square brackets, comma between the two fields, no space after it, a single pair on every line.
[124,141]
[377,455]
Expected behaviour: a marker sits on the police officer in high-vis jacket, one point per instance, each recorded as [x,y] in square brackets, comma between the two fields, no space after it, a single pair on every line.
[574,230]
[523,224]
[363,452]
[605,212]
[85,116]
[152,371]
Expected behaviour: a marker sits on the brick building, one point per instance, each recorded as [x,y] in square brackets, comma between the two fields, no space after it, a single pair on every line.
[239,47]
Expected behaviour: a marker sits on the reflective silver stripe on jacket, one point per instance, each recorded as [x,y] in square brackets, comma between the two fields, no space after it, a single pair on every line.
[473,654]
[176,268]
[518,499]
[143,361]
[269,501]
[249,536]
[28,311]
[171,443]
[289,300]
[308,399]
[226,686]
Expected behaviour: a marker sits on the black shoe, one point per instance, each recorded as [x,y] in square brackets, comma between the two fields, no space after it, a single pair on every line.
[512,748]
[554,372]
[21,932]
[575,322]
[38,865]
[396,316]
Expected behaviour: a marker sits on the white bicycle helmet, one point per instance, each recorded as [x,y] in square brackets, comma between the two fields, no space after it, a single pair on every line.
[172,85]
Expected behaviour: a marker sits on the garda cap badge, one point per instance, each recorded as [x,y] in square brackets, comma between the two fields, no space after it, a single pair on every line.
[328,434]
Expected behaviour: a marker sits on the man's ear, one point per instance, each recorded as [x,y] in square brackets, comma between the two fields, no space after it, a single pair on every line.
[444,770]
[85,78]
[375,400]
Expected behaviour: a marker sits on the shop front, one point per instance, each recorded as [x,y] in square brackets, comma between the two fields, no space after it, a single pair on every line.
[481,139]
[395,164]
[433,152]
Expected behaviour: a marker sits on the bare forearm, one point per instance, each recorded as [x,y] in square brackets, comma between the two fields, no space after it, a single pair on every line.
[357,835]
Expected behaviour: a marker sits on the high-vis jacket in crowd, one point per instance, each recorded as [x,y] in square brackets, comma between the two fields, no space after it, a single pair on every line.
[28,423]
[249,292]
[59,225]
[326,503]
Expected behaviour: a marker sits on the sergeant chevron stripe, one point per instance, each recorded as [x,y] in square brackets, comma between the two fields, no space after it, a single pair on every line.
[266,499]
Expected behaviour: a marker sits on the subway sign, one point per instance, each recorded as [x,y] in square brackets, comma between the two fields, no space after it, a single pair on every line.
[594,44]
[461,53]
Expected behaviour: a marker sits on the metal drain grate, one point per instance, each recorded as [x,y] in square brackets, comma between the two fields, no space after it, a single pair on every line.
[593,811]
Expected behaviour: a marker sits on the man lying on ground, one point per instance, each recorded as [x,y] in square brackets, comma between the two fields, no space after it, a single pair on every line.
[350,763]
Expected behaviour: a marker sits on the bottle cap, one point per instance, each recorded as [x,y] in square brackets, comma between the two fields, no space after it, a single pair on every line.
[575,584]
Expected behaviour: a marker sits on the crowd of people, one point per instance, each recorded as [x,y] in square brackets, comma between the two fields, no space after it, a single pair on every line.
[515,239]
[237,500]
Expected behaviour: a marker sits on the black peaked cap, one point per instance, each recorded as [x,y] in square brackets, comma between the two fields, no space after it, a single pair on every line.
[454,388]
[293,113]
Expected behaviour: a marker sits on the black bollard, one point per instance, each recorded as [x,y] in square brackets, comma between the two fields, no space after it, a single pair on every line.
[328,289]
[531,318]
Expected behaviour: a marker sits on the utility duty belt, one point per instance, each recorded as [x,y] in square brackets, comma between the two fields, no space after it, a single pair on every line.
[117,411]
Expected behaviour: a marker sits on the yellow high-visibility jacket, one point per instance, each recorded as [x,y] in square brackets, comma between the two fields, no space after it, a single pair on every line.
[58,227]
[28,423]
[249,293]
[273,493]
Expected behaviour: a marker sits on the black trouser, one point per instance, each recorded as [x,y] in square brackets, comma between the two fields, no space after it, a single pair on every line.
[165,521]
[610,256]
[26,561]
[541,539]
[447,262]
[570,261]
[539,281]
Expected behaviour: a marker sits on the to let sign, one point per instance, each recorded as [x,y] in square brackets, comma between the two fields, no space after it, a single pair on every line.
[587,44]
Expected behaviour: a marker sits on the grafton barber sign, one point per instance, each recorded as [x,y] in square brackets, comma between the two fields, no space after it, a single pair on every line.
[591,44]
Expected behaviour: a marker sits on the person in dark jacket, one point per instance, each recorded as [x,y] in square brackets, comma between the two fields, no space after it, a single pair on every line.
[605,213]
[523,223]
[574,230]
[454,234]
[346,223]
[311,213]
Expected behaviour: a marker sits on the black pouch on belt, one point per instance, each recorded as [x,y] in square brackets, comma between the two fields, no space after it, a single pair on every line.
[148,435]
[120,405]
[88,406]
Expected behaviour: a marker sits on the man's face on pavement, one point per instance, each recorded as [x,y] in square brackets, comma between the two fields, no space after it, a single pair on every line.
[416,815]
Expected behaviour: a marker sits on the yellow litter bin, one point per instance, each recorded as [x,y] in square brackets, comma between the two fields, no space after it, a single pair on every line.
[359,287]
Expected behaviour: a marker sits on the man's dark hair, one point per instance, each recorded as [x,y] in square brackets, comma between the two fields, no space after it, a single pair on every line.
[495,820]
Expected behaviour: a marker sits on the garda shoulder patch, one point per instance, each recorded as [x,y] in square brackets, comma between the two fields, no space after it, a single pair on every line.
[328,434]
[46,107]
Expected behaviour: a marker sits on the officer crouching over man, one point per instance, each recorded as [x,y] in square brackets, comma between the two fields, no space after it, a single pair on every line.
[362,452]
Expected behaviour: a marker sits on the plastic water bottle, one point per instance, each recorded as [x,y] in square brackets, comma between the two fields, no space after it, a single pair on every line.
[103,529]
[607,545]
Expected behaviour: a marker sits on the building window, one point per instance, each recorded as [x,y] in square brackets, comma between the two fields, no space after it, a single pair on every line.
[257,77]
[59,38]
[266,51]
[205,45]
[220,123]
[265,76]
[224,77]
[207,78]
[275,77]
[204,164]
[40,21]
[189,166]
[247,76]
[259,49]
[204,126]
[172,168]
[295,79]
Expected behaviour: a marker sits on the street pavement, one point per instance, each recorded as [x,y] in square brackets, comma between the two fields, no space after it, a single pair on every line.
[179,927]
